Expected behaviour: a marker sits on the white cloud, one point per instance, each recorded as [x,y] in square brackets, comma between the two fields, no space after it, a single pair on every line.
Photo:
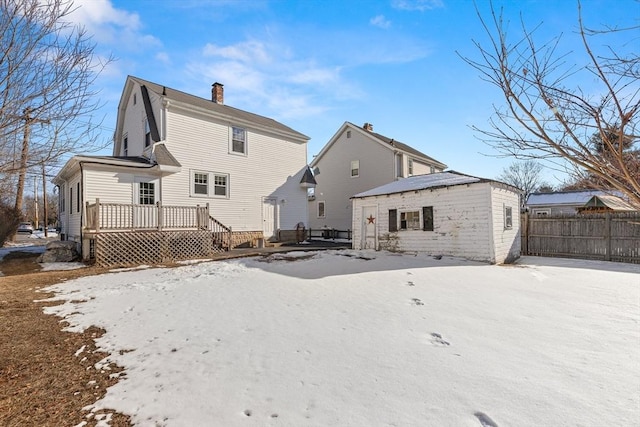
[420,5]
[380,21]
[163,57]
[249,51]
[268,78]
[110,26]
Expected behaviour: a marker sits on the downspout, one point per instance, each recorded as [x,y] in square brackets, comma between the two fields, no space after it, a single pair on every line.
[82,216]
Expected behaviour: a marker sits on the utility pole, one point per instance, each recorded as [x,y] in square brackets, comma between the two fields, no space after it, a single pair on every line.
[44,201]
[28,121]
[35,199]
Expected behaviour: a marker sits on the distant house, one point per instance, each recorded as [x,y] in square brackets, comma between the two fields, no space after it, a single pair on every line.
[354,160]
[445,213]
[181,162]
[573,202]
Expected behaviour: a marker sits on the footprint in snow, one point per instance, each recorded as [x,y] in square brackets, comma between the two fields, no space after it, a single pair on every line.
[437,340]
[485,420]
[410,283]
[416,301]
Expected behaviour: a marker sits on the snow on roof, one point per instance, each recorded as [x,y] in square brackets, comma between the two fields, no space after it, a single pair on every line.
[421,182]
[563,197]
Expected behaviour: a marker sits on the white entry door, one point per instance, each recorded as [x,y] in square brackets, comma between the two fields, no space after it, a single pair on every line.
[369,227]
[269,217]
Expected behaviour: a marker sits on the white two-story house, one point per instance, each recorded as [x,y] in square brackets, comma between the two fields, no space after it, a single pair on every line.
[354,160]
[185,162]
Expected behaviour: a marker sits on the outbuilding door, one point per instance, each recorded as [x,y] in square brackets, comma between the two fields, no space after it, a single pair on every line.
[369,227]
[269,217]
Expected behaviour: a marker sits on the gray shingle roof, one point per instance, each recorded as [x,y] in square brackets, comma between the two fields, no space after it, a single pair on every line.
[214,107]
[422,182]
[403,147]
[164,157]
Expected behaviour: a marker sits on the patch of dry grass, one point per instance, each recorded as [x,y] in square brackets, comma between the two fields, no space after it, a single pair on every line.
[42,382]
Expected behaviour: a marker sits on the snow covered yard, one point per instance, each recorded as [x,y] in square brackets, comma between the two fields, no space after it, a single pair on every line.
[346,338]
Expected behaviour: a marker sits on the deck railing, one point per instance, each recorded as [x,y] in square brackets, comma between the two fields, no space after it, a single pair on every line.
[221,234]
[117,216]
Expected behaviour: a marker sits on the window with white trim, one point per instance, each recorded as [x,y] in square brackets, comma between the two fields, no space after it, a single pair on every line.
[410,166]
[201,183]
[146,193]
[321,210]
[508,217]
[220,185]
[238,140]
[209,184]
[355,168]
[410,220]
[125,145]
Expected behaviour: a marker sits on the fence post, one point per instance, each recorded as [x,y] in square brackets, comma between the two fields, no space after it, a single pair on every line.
[160,218]
[205,217]
[525,229]
[607,236]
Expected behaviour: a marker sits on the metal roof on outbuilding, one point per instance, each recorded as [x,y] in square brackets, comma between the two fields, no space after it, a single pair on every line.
[424,182]
[562,197]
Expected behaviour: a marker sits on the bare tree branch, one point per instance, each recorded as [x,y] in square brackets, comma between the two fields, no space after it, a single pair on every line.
[548,115]
[47,71]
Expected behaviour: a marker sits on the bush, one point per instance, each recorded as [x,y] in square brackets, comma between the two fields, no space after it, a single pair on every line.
[9,221]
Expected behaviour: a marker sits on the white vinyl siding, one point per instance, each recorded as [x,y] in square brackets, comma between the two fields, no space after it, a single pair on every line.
[273,170]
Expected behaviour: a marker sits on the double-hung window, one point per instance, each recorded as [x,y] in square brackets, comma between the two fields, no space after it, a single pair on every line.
[201,183]
[355,168]
[220,185]
[410,166]
[209,184]
[238,140]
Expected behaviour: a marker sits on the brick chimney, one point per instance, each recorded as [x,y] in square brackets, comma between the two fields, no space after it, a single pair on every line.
[217,93]
[368,126]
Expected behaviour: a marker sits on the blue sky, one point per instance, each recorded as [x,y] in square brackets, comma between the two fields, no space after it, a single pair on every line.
[315,64]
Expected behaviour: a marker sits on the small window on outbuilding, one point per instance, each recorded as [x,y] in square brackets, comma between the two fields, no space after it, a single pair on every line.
[321,211]
[393,220]
[410,220]
[348,134]
[410,166]
[508,217]
[427,218]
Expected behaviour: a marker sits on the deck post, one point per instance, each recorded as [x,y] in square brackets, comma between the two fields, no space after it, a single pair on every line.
[206,217]
[160,218]
[198,218]
[97,215]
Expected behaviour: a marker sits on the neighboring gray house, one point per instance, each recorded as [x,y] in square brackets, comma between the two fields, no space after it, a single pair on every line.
[573,202]
[445,213]
[354,160]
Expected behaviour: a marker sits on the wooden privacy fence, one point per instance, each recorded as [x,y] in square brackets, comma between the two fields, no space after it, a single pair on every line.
[603,236]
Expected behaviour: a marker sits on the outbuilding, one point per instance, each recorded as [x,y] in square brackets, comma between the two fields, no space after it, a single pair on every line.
[446,213]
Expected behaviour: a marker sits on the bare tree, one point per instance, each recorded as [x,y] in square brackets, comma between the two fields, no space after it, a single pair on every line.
[47,70]
[549,115]
[525,175]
